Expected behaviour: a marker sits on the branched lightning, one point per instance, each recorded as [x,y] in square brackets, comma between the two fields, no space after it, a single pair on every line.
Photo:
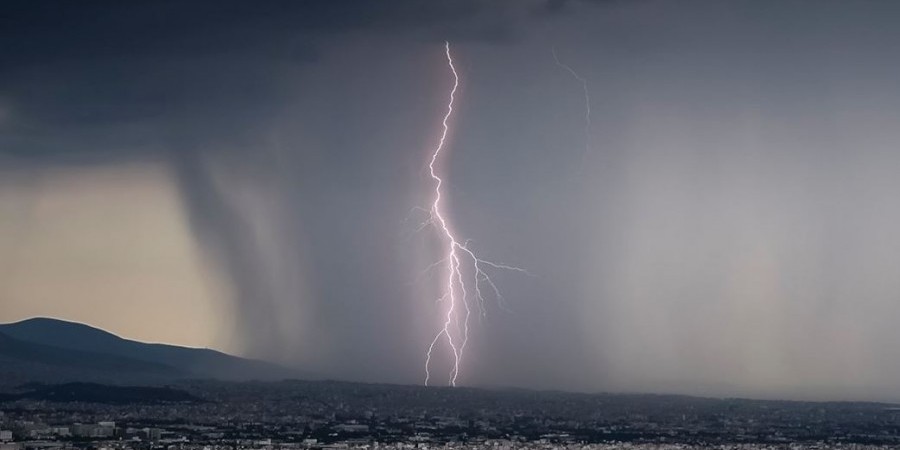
[587,103]
[459,261]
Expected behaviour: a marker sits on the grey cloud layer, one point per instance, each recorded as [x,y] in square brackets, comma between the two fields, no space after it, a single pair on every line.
[730,233]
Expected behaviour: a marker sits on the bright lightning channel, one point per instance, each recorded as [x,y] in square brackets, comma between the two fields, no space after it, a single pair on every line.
[459,261]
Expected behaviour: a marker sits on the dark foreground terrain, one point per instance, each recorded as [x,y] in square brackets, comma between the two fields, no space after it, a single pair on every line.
[56,351]
[292,414]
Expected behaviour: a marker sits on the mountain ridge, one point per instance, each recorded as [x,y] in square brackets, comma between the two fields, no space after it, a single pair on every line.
[69,348]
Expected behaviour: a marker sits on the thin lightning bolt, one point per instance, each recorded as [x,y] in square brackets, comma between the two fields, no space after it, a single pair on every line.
[587,104]
[456,295]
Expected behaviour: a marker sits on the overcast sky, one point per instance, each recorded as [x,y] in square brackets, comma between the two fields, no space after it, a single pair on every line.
[245,176]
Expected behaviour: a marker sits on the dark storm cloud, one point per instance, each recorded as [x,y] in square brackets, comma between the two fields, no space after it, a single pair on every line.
[107,80]
[553,7]
[182,82]
[37,31]
[738,148]
[72,64]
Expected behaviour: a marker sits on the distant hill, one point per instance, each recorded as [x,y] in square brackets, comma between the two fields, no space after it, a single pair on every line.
[72,351]
[25,352]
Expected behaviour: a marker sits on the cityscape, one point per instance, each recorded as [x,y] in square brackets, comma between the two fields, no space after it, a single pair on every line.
[204,415]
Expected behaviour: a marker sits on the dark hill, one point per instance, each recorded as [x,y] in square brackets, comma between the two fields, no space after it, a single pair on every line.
[23,352]
[182,361]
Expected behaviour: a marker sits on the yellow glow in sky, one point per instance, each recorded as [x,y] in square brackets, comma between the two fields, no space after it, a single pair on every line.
[108,246]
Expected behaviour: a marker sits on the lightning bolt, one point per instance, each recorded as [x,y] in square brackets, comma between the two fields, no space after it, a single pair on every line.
[459,262]
[587,104]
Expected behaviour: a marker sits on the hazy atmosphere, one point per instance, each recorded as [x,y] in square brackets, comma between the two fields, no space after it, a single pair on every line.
[251,178]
